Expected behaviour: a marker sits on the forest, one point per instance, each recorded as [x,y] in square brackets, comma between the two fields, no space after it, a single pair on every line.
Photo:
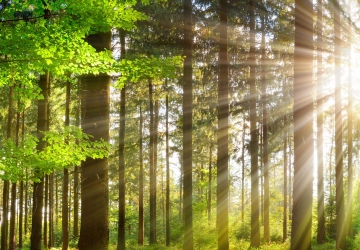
[179,124]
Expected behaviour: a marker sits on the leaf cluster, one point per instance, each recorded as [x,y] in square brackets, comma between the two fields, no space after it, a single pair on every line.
[64,148]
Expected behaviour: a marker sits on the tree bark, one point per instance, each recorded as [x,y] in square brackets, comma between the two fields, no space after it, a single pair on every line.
[265,135]
[209,185]
[46,203]
[65,187]
[38,190]
[167,170]
[303,130]
[255,227]
[141,184]
[51,211]
[12,239]
[152,169]
[285,135]
[350,133]
[121,214]
[187,125]
[320,121]
[223,132]
[94,231]
[340,208]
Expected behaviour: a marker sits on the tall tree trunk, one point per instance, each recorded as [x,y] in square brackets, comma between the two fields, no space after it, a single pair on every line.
[65,191]
[167,169]
[38,187]
[12,239]
[285,179]
[45,223]
[156,126]
[21,213]
[255,229]
[340,208]
[141,184]
[290,183]
[6,184]
[350,135]
[76,178]
[320,121]
[209,185]
[187,125]
[223,132]
[26,214]
[51,211]
[265,135]
[152,170]
[121,215]
[243,171]
[303,130]
[21,191]
[94,231]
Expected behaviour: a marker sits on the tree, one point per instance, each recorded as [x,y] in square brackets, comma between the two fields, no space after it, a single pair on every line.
[152,169]
[303,132]
[121,215]
[349,231]
[141,183]
[320,121]
[167,167]
[94,230]
[36,224]
[65,191]
[340,208]
[222,194]
[187,125]
[255,229]
[265,133]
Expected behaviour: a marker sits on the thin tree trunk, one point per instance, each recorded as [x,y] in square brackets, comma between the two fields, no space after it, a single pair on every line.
[152,170]
[51,211]
[265,136]
[26,208]
[350,134]
[290,183]
[187,125]
[320,121]
[21,191]
[21,213]
[45,228]
[255,228]
[65,187]
[76,182]
[303,126]
[167,170]
[121,214]
[340,208]
[141,184]
[222,217]
[38,187]
[285,180]
[6,184]
[243,171]
[12,239]
[156,125]
[209,185]
[94,230]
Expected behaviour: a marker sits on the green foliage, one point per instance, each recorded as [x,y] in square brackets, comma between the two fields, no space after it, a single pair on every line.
[64,149]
